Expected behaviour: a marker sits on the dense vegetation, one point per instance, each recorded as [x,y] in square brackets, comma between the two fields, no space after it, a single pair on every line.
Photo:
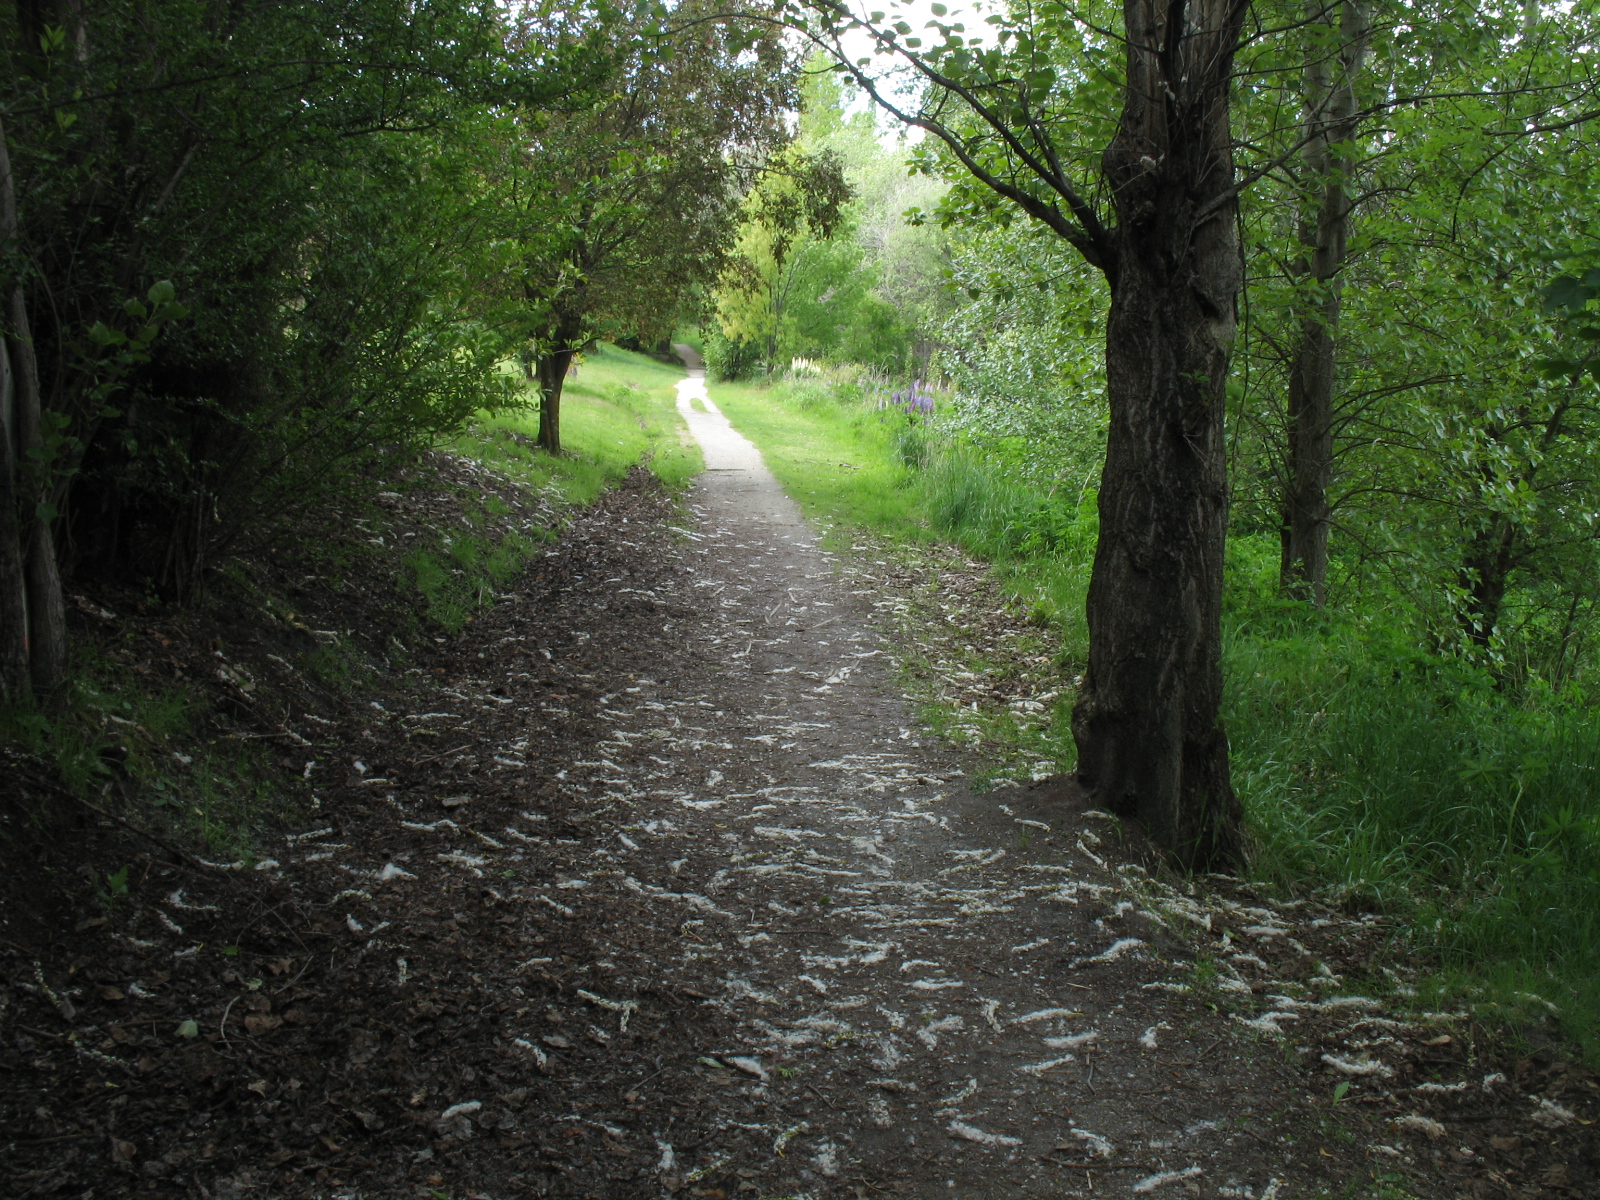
[254,254]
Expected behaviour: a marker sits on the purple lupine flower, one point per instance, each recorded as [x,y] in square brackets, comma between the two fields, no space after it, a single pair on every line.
[913,401]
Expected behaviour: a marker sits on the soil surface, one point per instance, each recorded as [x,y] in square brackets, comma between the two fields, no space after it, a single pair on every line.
[651,884]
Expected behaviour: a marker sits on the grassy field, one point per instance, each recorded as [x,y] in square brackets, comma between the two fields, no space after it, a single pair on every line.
[1381,776]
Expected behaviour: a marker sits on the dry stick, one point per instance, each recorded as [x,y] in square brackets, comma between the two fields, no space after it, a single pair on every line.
[820,1096]
[182,855]
[1198,1059]
[647,1079]
[445,754]
[222,1025]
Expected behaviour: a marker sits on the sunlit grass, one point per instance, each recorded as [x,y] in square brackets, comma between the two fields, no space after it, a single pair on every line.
[836,459]
[617,412]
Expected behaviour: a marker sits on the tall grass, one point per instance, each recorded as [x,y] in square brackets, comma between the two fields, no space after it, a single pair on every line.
[1406,782]
[1379,773]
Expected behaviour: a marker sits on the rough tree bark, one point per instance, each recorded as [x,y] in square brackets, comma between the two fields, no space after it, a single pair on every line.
[1147,723]
[1331,69]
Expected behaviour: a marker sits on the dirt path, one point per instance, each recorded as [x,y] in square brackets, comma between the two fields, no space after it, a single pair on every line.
[649,884]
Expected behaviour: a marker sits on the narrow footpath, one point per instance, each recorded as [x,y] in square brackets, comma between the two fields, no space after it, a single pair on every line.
[649,884]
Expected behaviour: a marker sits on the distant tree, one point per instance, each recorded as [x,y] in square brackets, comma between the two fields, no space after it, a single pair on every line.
[617,215]
[798,200]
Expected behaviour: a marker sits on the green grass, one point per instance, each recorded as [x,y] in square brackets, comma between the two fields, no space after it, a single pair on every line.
[1402,781]
[1381,775]
[829,450]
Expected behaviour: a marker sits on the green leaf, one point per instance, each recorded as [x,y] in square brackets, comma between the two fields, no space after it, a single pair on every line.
[189,1029]
[162,292]
[1566,293]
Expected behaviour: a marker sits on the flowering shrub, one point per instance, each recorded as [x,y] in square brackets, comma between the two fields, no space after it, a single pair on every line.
[913,401]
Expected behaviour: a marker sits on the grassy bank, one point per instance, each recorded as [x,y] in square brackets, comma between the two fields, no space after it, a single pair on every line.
[1391,778]
[617,410]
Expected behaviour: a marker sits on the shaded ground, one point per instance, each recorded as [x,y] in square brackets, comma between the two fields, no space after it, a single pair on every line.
[648,883]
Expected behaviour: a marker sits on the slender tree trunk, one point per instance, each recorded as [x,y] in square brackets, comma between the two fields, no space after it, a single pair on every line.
[1331,69]
[13,598]
[46,635]
[47,617]
[1485,573]
[552,372]
[1147,723]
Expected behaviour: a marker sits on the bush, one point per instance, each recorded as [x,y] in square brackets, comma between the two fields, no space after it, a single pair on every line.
[728,360]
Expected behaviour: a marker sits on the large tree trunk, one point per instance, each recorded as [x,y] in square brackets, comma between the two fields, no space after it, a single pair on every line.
[1147,723]
[1331,68]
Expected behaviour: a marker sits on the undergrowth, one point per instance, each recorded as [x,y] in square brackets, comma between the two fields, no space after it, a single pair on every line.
[142,749]
[1382,775]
